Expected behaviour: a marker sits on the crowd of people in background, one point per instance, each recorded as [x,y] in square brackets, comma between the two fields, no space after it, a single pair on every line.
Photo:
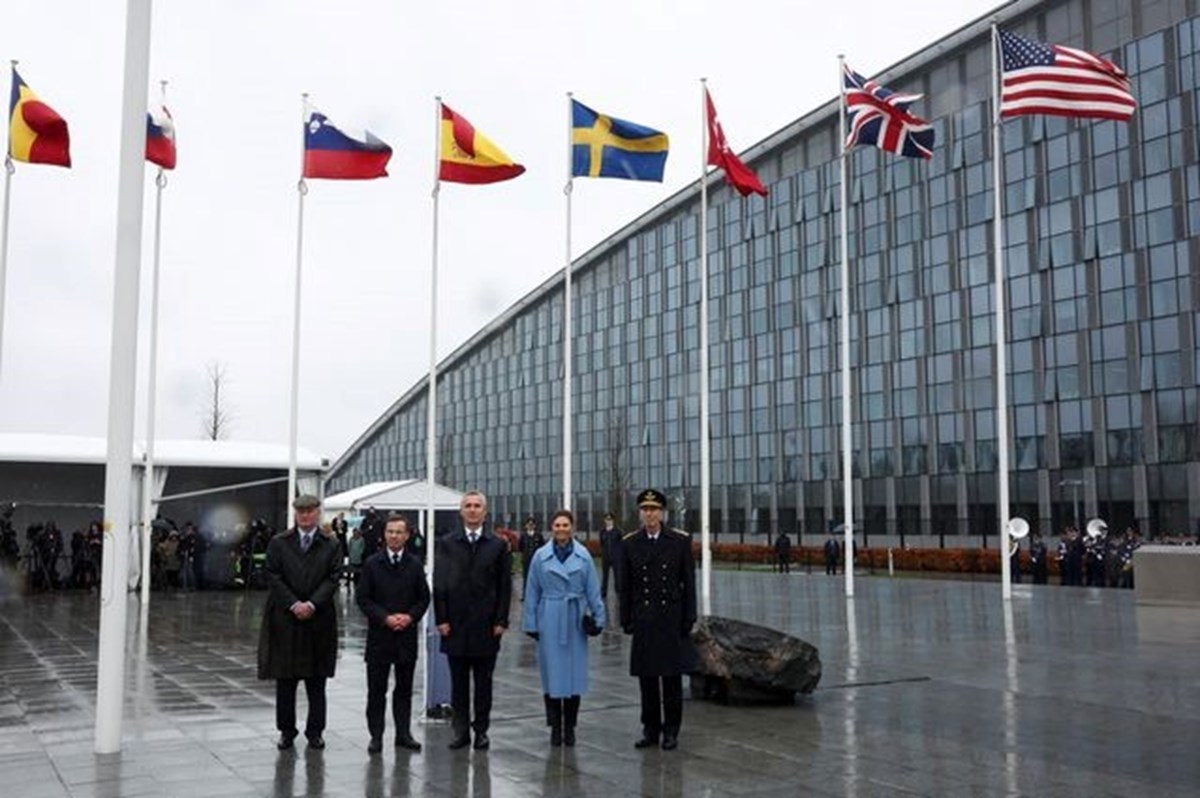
[1092,560]
[49,559]
[183,557]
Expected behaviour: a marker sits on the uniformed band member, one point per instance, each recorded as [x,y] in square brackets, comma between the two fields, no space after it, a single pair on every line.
[783,553]
[299,633]
[394,595]
[531,540]
[610,554]
[832,549]
[1037,559]
[658,607]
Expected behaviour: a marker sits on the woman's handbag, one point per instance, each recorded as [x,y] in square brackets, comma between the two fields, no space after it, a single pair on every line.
[590,628]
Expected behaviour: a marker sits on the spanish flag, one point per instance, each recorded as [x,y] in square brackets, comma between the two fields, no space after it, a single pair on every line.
[468,156]
[36,133]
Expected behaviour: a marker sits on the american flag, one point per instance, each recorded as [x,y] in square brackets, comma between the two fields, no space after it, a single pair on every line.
[878,116]
[1061,81]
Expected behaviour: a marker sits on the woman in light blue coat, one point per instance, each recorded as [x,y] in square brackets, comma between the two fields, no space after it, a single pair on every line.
[563,607]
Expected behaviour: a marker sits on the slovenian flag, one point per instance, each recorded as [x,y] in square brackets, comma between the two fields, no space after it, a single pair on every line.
[333,155]
[160,138]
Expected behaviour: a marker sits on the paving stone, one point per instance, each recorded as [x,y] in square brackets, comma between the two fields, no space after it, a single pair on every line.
[929,688]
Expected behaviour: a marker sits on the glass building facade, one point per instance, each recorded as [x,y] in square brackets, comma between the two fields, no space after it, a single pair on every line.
[1102,231]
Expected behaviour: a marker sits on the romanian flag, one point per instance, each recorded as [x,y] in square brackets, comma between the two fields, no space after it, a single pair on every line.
[160,138]
[468,156]
[604,146]
[36,133]
[333,155]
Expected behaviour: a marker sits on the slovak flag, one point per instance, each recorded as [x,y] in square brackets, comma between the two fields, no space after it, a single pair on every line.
[160,138]
[333,155]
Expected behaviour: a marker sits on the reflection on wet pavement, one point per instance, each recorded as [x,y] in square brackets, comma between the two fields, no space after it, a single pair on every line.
[929,688]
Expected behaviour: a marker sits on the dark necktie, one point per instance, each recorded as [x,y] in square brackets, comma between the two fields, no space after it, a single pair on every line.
[473,537]
[305,541]
[395,559]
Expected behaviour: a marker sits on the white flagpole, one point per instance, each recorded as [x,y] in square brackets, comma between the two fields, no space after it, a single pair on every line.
[847,430]
[1001,354]
[568,328]
[705,443]
[294,426]
[431,407]
[160,181]
[8,173]
[118,473]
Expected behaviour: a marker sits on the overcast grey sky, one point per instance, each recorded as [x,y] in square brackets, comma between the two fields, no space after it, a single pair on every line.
[236,70]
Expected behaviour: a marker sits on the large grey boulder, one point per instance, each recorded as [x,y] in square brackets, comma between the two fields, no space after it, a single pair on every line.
[741,662]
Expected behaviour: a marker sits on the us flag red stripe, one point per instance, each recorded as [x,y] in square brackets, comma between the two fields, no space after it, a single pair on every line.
[1055,80]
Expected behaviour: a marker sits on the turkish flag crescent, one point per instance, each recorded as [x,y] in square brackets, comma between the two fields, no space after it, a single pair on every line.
[737,173]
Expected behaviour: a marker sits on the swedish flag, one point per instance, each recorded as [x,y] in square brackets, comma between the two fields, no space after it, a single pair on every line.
[605,146]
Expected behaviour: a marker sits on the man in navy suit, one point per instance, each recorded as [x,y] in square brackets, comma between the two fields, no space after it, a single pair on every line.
[393,594]
[472,591]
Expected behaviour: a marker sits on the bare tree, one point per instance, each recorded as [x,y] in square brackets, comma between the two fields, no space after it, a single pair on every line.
[614,463]
[215,417]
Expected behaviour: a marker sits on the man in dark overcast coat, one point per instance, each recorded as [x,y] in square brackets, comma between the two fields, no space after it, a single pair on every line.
[299,635]
[472,591]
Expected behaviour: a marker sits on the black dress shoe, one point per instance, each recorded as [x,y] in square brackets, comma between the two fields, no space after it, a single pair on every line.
[408,742]
[482,743]
[286,741]
[670,742]
[375,746]
[461,741]
[317,742]
[648,741]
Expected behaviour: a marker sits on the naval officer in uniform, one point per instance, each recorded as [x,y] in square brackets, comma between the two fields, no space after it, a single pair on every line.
[658,607]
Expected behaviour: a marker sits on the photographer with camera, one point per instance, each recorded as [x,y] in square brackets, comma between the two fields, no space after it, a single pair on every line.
[10,547]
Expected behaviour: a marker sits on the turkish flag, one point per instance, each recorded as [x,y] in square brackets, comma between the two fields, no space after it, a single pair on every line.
[719,154]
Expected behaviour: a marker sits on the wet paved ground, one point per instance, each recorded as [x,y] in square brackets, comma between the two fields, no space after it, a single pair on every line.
[929,688]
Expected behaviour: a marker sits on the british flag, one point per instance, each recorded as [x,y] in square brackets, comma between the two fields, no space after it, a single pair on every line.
[878,116]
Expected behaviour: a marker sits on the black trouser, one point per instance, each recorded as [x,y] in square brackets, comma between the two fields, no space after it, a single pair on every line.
[831,566]
[607,565]
[784,565]
[285,706]
[377,686]
[462,670]
[662,710]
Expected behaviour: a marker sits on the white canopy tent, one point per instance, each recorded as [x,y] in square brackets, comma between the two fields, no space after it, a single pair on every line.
[60,471]
[407,494]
